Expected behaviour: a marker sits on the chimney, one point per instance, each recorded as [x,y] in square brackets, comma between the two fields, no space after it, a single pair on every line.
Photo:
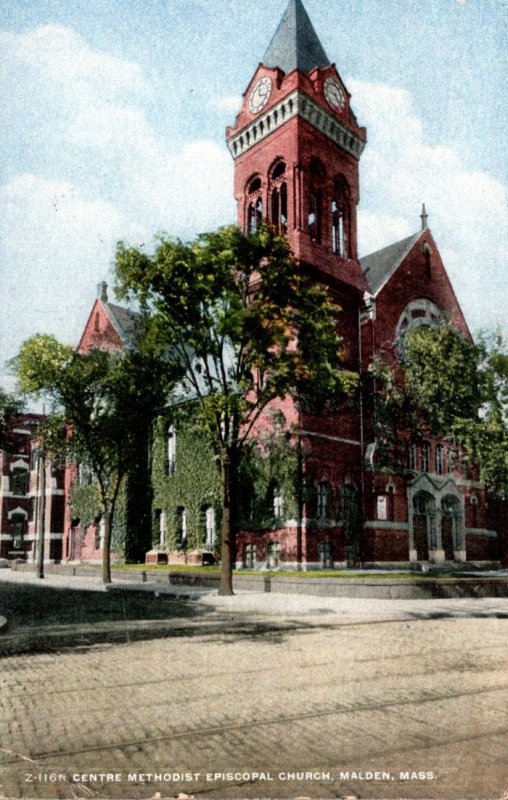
[424,217]
[102,291]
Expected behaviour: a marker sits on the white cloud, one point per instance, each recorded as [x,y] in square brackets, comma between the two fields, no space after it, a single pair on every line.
[55,247]
[107,175]
[229,104]
[467,207]
[66,63]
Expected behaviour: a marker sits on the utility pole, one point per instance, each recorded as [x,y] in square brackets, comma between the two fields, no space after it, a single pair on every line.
[41,515]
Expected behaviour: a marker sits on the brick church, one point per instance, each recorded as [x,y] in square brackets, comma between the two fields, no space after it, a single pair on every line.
[296,145]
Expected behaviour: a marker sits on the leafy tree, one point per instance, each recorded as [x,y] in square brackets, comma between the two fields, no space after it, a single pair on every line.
[246,327]
[452,388]
[10,405]
[100,402]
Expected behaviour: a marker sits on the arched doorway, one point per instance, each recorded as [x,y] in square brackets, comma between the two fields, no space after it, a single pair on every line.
[424,513]
[450,519]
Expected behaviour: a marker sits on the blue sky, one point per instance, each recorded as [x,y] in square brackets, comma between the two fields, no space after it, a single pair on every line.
[114,129]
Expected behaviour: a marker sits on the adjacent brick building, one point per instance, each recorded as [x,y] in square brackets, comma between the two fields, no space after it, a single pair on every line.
[20,494]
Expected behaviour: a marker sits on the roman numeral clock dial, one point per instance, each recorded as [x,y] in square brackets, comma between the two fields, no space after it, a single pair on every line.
[260,95]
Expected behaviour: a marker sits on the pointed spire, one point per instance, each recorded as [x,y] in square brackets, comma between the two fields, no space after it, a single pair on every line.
[424,217]
[295,44]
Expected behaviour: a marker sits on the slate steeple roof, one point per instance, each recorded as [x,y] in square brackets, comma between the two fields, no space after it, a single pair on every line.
[295,44]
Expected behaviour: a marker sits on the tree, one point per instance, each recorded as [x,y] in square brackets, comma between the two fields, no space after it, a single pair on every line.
[246,327]
[10,405]
[452,388]
[100,402]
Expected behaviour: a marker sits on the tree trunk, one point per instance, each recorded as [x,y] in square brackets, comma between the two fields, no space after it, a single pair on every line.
[106,547]
[228,529]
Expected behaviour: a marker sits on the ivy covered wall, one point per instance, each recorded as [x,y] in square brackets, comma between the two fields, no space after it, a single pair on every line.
[192,484]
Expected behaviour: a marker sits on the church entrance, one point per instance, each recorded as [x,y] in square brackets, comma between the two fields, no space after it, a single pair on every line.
[420,537]
[450,526]
[423,524]
[447,538]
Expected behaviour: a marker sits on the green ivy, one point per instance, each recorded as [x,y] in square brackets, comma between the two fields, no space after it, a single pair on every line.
[194,485]
[85,506]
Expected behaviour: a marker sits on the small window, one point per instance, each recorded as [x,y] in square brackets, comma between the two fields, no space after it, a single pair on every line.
[171,452]
[249,556]
[18,525]
[273,555]
[209,526]
[323,500]
[19,481]
[278,502]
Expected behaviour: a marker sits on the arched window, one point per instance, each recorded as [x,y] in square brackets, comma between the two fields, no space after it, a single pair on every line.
[209,520]
[317,177]
[411,456]
[278,502]
[171,452]
[425,461]
[439,459]
[255,207]
[340,218]
[279,197]
[323,500]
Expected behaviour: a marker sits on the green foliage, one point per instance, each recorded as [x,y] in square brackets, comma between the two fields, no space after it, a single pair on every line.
[231,308]
[244,326]
[194,485]
[10,405]
[271,462]
[101,401]
[450,388]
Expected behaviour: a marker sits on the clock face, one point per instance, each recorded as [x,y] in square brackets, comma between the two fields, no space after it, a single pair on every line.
[334,93]
[260,95]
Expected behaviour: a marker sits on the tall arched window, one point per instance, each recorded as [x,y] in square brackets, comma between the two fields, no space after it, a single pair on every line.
[279,197]
[425,462]
[323,500]
[317,177]
[255,206]
[171,452]
[278,502]
[340,218]
[439,459]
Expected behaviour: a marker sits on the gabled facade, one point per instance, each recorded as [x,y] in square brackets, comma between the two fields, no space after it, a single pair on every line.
[109,327]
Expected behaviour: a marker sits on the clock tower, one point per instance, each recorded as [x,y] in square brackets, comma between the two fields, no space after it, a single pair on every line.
[296,146]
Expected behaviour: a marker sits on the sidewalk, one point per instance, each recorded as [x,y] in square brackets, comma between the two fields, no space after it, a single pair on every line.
[362,609]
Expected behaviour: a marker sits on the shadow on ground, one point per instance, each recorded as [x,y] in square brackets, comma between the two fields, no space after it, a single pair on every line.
[42,619]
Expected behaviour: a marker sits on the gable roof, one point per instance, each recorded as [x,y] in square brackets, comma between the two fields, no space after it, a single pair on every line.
[295,44]
[378,267]
[123,319]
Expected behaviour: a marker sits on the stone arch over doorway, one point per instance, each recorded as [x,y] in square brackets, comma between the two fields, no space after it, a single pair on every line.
[452,529]
[423,527]
[435,507]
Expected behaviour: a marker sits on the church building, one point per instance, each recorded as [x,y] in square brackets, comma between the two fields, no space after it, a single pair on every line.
[296,146]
